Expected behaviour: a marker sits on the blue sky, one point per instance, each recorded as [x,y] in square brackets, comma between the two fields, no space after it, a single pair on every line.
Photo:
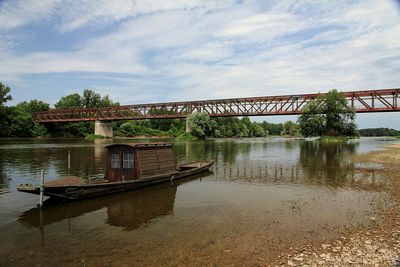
[152,51]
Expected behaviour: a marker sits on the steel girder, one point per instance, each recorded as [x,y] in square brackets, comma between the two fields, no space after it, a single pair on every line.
[382,100]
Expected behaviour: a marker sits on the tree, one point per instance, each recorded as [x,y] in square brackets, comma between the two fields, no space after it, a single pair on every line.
[4,94]
[291,128]
[379,132]
[4,111]
[258,130]
[328,115]
[201,124]
[89,99]
[70,101]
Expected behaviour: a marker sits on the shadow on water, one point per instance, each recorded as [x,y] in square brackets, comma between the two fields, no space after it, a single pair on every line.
[128,210]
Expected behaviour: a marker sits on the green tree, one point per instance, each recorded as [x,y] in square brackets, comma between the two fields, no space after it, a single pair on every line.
[4,111]
[201,125]
[379,132]
[4,94]
[258,130]
[20,121]
[291,128]
[328,115]
[89,99]
[70,101]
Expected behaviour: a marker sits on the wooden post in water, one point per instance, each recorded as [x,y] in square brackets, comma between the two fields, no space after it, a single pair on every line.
[69,160]
[41,187]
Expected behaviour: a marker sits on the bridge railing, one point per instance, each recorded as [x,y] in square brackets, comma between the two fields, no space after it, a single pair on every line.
[382,100]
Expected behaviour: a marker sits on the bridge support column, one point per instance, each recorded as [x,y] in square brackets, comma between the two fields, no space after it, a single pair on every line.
[103,128]
[188,128]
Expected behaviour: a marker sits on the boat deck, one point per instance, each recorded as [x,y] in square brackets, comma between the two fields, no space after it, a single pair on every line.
[73,180]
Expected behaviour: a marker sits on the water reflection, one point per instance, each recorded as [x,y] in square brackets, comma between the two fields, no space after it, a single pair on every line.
[327,163]
[263,195]
[3,175]
[292,163]
[129,210]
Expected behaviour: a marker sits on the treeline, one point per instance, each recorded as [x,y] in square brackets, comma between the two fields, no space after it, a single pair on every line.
[379,132]
[17,121]
[230,127]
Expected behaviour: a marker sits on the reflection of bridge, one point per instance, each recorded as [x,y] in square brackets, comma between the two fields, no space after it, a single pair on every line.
[382,100]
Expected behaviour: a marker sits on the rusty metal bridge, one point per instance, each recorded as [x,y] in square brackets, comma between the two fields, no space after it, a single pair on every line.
[381,100]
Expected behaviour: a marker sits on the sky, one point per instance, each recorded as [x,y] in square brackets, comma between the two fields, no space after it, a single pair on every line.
[155,51]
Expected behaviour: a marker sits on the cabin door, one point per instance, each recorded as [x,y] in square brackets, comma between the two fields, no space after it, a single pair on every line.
[122,166]
[128,166]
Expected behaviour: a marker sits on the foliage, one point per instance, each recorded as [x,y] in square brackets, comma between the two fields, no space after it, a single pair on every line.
[4,115]
[379,132]
[201,125]
[89,99]
[335,139]
[92,137]
[166,124]
[291,128]
[4,94]
[186,137]
[272,128]
[16,121]
[139,128]
[328,115]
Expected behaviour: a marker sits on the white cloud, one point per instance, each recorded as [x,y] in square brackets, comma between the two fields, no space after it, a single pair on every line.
[17,13]
[199,50]
[272,24]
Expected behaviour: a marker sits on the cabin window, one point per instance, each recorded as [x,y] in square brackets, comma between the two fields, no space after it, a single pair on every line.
[127,160]
[115,161]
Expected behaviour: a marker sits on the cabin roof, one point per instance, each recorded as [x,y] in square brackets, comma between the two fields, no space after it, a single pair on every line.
[140,145]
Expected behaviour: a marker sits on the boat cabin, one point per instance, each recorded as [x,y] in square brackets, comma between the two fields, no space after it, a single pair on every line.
[139,160]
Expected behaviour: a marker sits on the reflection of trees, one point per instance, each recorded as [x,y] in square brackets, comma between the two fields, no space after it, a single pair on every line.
[226,151]
[326,163]
[3,175]
[31,155]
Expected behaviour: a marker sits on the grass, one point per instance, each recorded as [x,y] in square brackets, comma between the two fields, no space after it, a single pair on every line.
[92,137]
[336,139]
[390,156]
[186,137]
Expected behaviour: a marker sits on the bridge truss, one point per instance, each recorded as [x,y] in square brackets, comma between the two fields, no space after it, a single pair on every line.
[381,100]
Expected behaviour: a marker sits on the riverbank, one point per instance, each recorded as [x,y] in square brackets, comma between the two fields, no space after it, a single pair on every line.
[375,245]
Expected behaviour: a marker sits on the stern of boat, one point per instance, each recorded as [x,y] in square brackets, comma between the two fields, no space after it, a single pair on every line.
[205,164]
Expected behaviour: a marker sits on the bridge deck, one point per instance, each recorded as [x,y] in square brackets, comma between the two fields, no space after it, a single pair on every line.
[381,100]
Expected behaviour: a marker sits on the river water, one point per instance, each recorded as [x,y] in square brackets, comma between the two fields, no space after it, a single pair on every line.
[262,197]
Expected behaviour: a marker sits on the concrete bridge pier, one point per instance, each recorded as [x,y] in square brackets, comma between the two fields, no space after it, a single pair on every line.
[103,128]
[188,128]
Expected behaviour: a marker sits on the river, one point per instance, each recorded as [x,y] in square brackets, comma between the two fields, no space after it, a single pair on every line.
[262,197]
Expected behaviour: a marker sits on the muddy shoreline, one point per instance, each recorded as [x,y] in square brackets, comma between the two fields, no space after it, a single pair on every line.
[375,245]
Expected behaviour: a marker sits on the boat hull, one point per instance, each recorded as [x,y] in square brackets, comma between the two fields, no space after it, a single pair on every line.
[78,192]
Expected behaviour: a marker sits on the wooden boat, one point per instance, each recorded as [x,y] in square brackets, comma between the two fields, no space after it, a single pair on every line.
[128,210]
[129,166]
